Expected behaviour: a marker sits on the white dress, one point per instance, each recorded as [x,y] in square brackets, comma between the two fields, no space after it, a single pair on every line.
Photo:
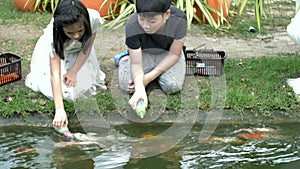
[293,30]
[90,79]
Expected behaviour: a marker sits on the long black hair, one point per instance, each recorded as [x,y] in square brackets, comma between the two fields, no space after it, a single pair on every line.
[67,13]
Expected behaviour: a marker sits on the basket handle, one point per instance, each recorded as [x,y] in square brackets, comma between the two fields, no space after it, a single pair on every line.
[7,58]
[200,46]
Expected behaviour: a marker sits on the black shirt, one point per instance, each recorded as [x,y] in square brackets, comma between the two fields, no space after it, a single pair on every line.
[174,28]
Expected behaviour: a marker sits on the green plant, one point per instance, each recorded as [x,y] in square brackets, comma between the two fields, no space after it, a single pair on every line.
[124,8]
[259,7]
[47,5]
[120,13]
[189,7]
[249,89]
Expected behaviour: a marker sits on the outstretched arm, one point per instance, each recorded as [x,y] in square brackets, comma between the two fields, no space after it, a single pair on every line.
[60,118]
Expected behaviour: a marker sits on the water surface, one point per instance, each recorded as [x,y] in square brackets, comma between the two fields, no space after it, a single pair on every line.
[42,147]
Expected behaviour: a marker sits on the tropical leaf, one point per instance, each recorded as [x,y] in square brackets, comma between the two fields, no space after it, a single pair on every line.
[259,8]
[45,4]
[242,4]
[122,9]
[121,16]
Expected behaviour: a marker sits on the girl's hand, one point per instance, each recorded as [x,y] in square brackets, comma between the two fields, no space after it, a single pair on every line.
[60,118]
[70,79]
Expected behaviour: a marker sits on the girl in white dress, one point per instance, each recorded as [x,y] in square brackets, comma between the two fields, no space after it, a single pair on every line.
[64,64]
[293,30]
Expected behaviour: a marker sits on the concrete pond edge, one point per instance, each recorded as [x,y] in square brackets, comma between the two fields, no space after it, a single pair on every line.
[116,119]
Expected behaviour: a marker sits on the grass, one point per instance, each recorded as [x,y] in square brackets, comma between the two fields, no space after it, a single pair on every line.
[11,16]
[258,84]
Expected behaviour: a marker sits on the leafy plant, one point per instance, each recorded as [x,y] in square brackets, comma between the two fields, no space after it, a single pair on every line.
[47,5]
[124,8]
[190,7]
[259,8]
[120,13]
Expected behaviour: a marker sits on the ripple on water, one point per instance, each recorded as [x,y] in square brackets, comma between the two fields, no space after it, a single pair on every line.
[34,148]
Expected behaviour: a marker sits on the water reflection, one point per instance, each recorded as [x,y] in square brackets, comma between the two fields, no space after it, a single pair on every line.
[272,150]
[36,147]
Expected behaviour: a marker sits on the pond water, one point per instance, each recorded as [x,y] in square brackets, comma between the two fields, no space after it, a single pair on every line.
[231,146]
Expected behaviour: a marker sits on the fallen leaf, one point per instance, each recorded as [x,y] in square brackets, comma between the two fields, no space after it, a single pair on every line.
[42,102]
[7,99]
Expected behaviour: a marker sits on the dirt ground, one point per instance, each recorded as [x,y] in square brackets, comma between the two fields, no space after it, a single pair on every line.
[108,43]
[113,41]
[268,45]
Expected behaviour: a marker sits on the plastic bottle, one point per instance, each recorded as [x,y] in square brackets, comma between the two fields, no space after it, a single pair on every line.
[64,131]
[141,109]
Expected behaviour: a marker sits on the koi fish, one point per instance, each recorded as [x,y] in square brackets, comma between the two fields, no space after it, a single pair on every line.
[242,135]
[248,136]
[151,136]
[231,140]
[24,149]
[75,143]
[79,139]
[255,133]
[254,130]
[93,139]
